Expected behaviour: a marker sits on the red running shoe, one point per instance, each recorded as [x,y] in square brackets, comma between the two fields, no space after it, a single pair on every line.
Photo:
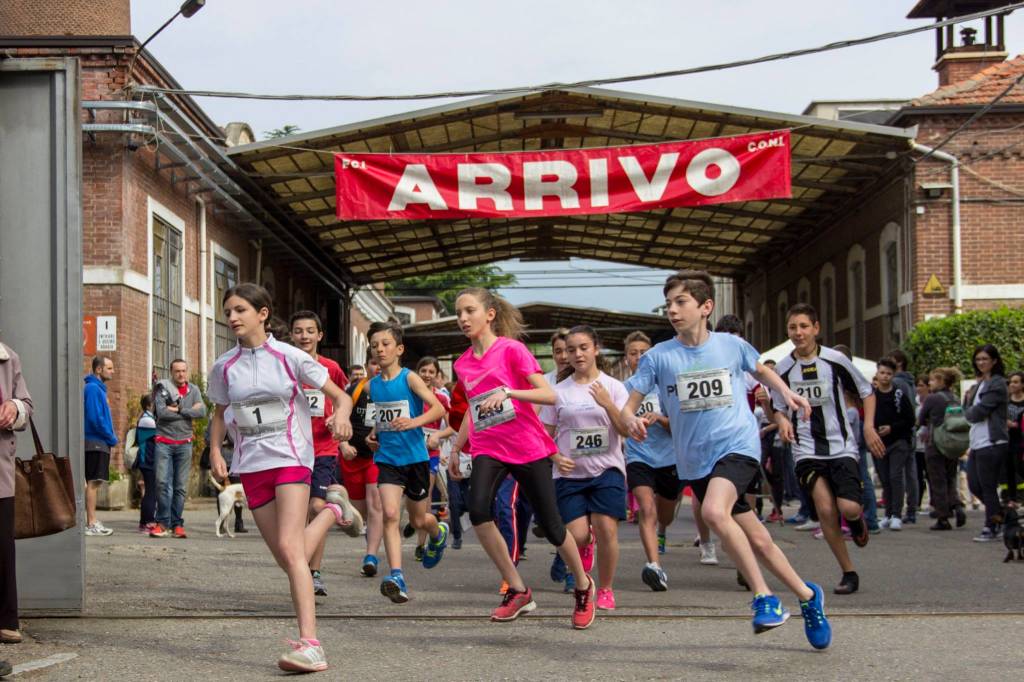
[584,612]
[587,553]
[512,604]
[179,532]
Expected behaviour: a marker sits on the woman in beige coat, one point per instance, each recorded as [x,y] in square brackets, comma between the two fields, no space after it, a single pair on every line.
[15,409]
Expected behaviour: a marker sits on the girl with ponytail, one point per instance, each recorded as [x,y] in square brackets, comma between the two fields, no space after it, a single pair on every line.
[503,382]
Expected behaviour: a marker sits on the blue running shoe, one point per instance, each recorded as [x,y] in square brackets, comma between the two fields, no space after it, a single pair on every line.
[393,587]
[768,613]
[558,569]
[435,546]
[661,543]
[570,583]
[816,626]
[369,566]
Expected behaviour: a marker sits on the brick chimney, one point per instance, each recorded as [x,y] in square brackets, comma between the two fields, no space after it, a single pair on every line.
[976,50]
[65,18]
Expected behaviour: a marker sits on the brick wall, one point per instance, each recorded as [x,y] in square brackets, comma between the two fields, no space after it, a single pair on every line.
[65,17]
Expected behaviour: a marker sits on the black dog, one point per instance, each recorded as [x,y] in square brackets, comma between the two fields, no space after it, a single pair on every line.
[1013,535]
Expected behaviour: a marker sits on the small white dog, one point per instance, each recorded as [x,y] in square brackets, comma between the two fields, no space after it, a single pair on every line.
[227,498]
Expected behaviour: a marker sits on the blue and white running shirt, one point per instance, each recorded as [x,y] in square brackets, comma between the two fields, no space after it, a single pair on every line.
[703,392]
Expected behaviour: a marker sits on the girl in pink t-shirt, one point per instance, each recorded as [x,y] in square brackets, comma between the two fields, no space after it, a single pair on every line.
[503,381]
[590,474]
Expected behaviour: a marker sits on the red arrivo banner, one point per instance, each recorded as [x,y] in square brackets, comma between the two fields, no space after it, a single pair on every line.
[563,182]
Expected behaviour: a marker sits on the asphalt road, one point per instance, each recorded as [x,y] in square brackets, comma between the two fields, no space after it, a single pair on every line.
[931,605]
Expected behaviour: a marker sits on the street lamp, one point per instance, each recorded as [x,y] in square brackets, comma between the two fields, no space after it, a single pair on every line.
[187,9]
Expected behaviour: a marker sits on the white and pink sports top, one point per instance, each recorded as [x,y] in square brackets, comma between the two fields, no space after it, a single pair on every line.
[268,414]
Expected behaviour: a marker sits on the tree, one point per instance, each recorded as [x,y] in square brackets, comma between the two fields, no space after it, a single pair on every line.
[447,285]
[283,131]
[950,341]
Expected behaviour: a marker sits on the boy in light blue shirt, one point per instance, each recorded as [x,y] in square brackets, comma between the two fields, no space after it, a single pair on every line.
[699,378]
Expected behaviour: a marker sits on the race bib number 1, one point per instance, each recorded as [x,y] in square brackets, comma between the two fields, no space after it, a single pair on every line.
[260,417]
[315,399]
[385,413]
[704,390]
[482,421]
[589,441]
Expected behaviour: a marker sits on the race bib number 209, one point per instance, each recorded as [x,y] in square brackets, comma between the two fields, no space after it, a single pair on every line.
[709,389]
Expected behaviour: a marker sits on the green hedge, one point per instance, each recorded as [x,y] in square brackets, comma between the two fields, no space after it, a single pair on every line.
[950,341]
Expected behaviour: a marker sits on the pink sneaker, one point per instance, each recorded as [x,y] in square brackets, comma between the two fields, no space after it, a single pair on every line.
[587,553]
[605,599]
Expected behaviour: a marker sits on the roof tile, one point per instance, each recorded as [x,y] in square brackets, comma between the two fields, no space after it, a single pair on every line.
[981,88]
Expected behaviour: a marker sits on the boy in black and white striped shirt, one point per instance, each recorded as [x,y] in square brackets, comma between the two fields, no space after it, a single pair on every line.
[825,446]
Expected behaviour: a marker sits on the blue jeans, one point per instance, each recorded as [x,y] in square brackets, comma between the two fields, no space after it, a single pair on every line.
[868,498]
[173,464]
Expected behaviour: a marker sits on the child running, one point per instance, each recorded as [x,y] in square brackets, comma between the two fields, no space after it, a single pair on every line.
[503,382]
[257,390]
[401,458]
[307,333]
[651,471]
[429,368]
[699,376]
[358,470]
[825,447]
[590,476]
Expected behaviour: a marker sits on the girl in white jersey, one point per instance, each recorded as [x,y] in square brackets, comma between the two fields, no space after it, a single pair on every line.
[590,479]
[257,390]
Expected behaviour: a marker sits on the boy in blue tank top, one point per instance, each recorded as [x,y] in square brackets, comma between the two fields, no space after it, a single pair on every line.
[398,396]
[700,382]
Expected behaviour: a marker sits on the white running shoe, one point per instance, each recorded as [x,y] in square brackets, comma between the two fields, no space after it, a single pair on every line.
[808,525]
[303,658]
[895,523]
[708,554]
[337,494]
[885,523]
[98,529]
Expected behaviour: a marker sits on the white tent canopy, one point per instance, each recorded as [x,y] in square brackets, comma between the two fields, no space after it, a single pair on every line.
[866,367]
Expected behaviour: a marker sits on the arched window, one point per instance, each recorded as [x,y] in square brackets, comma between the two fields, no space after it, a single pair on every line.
[889,253]
[782,304]
[803,290]
[749,325]
[827,303]
[855,281]
[764,324]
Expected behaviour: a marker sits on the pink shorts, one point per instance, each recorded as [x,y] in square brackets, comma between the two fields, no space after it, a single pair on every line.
[261,486]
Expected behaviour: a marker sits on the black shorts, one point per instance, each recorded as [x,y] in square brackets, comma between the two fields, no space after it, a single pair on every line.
[97,465]
[739,470]
[324,468]
[414,478]
[663,480]
[755,483]
[842,475]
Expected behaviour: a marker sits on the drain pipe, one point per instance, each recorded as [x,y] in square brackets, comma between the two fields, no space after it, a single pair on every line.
[954,180]
[204,262]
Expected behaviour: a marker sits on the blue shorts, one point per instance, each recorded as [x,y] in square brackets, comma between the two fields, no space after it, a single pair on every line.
[435,462]
[323,475]
[604,494]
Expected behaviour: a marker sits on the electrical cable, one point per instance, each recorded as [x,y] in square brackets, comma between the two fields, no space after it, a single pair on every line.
[779,56]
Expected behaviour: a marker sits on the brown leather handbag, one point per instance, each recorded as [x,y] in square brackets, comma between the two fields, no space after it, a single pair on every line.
[44,493]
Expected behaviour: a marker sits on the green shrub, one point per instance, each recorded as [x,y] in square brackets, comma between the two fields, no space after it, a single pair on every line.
[950,341]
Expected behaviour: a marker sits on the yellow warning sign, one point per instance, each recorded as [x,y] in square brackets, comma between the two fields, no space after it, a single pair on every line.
[934,286]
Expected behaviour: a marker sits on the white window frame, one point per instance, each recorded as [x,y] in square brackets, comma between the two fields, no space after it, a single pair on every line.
[155,208]
[857,336]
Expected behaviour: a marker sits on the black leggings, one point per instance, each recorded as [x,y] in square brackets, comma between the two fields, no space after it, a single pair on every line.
[8,577]
[535,483]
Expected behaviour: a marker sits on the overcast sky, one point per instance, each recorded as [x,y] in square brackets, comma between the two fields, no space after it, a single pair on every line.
[325,46]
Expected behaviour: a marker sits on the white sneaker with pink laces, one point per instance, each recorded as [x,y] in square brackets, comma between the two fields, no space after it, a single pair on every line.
[306,656]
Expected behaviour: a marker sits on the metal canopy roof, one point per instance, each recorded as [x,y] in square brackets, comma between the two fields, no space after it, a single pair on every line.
[443,338]
[836,164]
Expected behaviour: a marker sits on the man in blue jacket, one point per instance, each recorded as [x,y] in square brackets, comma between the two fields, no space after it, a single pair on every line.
[99,438]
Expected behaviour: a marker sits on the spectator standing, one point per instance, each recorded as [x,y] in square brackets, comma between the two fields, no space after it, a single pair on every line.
[942,471]
[15,410]
[99,438]
[1015,452]
[177,402]
[145,432]
[985,407]
[894,421]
